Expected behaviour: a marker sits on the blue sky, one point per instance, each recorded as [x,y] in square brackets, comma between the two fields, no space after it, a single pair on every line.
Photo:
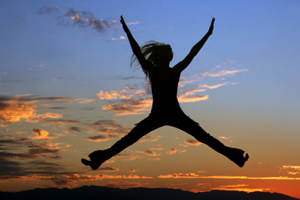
[247,73]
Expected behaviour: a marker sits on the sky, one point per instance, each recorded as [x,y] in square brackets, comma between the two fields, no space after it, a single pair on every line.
[67,89]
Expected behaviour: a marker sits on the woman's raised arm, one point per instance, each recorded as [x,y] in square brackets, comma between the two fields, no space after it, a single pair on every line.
[194,51]
[134,45]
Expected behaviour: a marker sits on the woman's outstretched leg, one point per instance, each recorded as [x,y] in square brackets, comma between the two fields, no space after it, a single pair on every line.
[100,156]
[188,125]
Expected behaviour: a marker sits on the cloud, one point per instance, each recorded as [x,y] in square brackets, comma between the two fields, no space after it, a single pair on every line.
[174,151]
[194,175]
[85,101]
[108,169]
[63,121]
[120,38]
[113,94]
[40,134]
[101,138]
[75,128]
[132,23]
[132,107]
[148,153]
[24,108]
[80,19]
[224,73]
[37,146]
[192,142]
[107,130]
[290,169]
[128,157]
[151,138]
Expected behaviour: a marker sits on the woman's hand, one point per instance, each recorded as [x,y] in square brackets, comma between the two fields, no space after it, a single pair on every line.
[122,20]
[211,28]
[124,24]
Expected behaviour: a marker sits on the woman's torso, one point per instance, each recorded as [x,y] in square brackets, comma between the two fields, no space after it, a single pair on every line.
[164,85]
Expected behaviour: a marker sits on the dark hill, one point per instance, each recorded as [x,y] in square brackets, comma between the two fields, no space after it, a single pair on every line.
[105,193]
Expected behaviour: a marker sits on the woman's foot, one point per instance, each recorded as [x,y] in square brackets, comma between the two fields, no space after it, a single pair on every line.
[237,156]
[97,158]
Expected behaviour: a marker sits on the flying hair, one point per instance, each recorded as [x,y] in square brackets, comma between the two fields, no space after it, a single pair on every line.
[150,50]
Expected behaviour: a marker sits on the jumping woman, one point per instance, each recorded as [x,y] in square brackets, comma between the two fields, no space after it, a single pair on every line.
[154,59]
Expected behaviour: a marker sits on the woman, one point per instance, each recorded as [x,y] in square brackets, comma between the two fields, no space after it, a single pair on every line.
[154,59]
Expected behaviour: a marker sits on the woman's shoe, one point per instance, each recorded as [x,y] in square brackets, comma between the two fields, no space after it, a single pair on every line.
[97,158]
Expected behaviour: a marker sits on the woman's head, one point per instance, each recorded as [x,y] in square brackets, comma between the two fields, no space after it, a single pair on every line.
[159,54]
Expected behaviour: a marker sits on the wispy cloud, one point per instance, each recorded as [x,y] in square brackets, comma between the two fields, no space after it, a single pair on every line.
[81,19]
[149,153]
[194,175]
[108,169]
[149,137]
[174,151]
[224,73]
[107,130]
[119,38]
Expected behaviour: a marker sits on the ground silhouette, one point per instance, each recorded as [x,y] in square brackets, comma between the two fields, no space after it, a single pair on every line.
[105,193]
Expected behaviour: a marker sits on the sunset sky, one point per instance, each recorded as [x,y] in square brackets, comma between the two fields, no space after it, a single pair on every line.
[67,89]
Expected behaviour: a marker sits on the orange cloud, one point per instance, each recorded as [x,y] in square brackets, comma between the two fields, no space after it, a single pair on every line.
[149,137]
[290,169]
[22,108]
[193,175]
[101,138]
[113,94]
[128,157]
[192,142]
[240,188]
[174,151]
[148,153]
[40,134]
[108,169]
[133,107]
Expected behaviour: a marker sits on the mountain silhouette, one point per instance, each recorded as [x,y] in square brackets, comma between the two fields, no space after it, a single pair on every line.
[106,193]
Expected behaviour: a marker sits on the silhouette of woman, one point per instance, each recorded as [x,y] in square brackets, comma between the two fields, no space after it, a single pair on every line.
[154,59]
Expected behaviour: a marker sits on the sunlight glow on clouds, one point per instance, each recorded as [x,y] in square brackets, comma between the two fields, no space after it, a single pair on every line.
[289,169]
[194,175]
[23,108]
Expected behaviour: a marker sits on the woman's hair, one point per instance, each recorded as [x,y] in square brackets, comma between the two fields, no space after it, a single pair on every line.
[150,51]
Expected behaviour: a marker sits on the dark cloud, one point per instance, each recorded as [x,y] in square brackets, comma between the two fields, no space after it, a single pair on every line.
[75,128]
[101,138]
[108,169]
[107,130]
[62,121]
[9,168]
[81,19]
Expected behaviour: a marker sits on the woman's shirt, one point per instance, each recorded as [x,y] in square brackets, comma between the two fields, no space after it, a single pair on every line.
[164,94]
